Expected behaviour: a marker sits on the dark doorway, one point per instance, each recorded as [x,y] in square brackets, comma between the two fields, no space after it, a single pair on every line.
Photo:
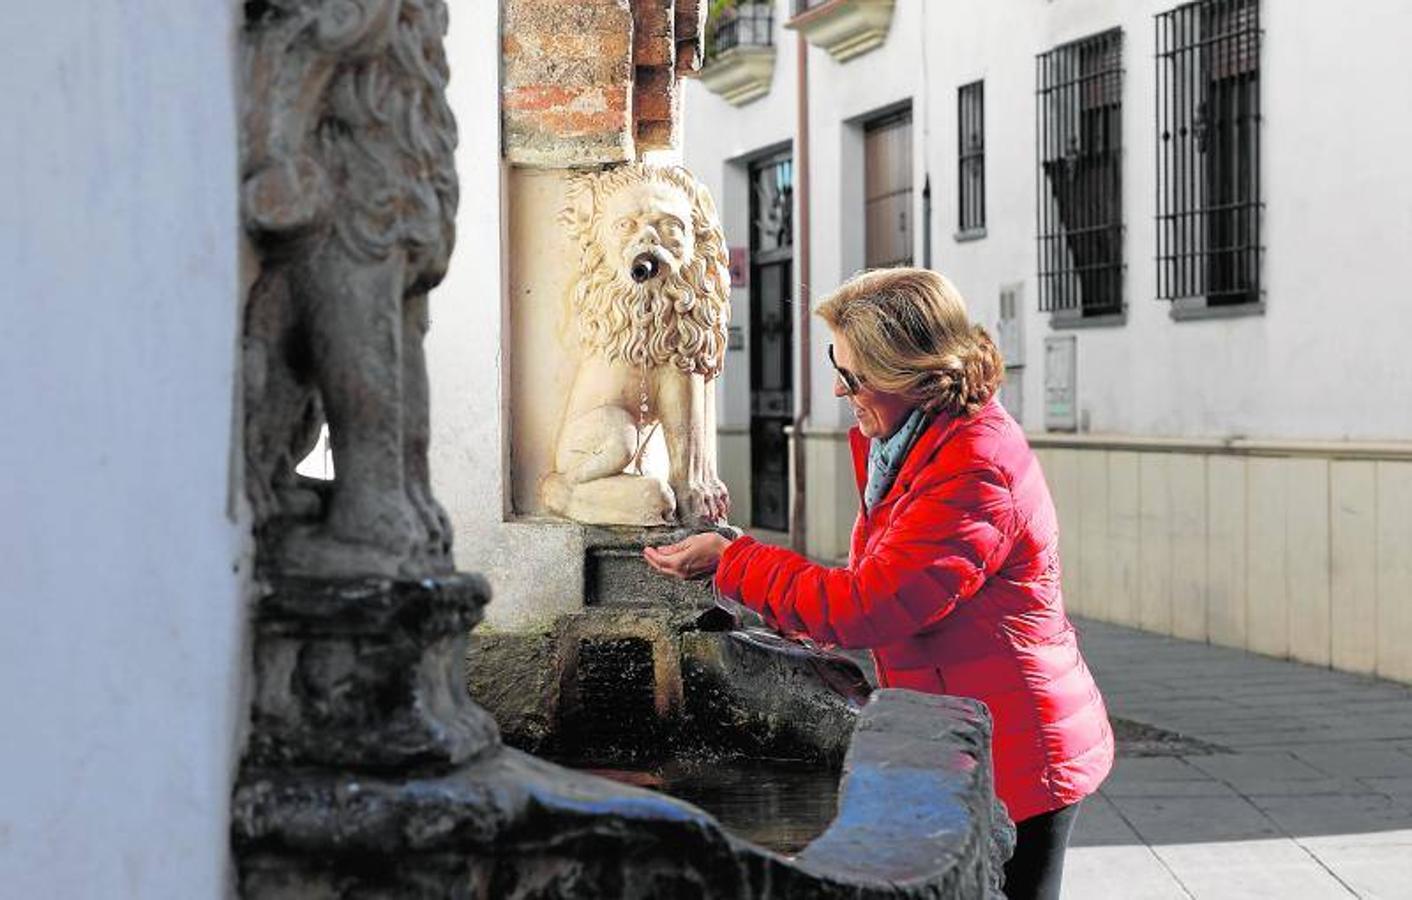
[771,338]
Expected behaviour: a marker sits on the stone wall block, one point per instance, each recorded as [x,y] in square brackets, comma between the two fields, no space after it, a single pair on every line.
[567,93]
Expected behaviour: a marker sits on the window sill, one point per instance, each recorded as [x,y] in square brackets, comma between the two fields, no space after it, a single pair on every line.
[1188,311]
[1063,322]
[971,234]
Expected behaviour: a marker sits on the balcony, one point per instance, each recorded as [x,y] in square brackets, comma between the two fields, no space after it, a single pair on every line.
[740,53]
[845,28]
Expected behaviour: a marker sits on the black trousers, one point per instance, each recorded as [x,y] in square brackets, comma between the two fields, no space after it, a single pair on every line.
[1037,868]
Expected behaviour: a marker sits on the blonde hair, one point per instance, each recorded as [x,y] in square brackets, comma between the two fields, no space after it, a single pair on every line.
[911,336]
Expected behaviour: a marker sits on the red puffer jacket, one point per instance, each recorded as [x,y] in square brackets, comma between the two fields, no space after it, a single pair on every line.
[953,583]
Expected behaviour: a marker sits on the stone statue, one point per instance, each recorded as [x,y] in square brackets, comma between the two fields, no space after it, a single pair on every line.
[650,303]
[349,197]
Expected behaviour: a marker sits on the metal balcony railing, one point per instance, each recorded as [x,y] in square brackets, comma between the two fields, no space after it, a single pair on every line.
[744,25]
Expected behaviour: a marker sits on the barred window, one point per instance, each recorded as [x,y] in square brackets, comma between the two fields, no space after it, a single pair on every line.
[970,138]
[1080,199]
[1208,153]
[887,190]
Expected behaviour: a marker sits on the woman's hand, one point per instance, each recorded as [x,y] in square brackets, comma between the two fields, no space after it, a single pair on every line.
[697,555]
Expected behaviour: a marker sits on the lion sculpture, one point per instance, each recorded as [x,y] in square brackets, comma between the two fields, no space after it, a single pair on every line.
[349,196]
[650,303]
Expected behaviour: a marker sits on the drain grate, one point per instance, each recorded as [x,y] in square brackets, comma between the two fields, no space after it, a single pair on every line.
[1140,739]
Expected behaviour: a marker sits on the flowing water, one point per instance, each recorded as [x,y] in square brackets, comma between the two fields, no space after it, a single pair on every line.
[779,804]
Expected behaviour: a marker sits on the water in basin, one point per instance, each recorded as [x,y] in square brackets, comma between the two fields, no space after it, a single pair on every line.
[779,804]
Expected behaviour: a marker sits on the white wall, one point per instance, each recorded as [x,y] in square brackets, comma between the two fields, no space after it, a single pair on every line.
[718,143]
[121,561]
[1328,358]
[535,568]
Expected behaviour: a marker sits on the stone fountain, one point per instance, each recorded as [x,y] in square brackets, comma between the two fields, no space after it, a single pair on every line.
[370,771]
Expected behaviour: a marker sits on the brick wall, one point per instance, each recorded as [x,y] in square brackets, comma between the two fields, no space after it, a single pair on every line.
[593,82]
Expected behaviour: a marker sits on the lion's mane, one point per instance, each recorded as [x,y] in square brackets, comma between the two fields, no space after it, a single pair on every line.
[681,319]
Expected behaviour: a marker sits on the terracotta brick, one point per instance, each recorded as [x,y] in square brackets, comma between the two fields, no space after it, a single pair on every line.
[652,95]
[568,81]
[662,134]
[653,27]
[655,136]
[690,35]
[690,19]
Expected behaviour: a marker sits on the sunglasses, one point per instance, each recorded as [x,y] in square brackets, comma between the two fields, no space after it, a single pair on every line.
[851,383]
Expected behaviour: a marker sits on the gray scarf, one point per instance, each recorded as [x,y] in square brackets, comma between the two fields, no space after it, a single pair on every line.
[885,457]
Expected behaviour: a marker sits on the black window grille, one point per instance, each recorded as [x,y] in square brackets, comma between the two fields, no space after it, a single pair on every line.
[970,137]
[1080,198]
[1208,153]
[887,190]
[742,25]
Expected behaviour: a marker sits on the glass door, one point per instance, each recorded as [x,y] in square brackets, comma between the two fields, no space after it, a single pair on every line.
[771,338]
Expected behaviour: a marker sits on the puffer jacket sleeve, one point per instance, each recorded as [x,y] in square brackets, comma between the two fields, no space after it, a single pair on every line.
[937,550]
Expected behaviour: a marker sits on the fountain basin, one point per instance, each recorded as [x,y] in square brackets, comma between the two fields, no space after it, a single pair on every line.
[372,773]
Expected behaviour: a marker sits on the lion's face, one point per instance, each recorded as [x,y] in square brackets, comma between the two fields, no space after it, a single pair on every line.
[646,231]
[652,287]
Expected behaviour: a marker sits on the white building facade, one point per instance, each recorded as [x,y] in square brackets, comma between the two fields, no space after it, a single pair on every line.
[1186,223]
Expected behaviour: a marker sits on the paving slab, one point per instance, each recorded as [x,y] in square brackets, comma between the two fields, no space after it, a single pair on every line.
[1278,868]
[1347,815]
[1236,768]
[1359,761]
[1133,872]
[1376,868]
[1108,859]
[1311,795]
[1391,787]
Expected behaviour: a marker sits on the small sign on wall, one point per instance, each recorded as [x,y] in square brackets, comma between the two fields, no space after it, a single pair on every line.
[1061,383]
[740,267]
[735,337]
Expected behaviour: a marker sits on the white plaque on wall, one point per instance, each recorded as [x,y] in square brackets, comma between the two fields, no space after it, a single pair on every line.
[1010,328]
[1061,383]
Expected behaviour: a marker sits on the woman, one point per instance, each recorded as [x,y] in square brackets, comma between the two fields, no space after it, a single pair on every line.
[953,571]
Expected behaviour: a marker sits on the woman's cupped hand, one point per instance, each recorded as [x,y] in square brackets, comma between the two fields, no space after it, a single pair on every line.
[690,558]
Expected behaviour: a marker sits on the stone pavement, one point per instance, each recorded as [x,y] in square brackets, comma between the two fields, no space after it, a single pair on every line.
[1309,792]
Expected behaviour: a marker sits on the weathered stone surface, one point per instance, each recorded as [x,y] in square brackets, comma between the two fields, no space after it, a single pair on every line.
[567,91]
[615,573]
[515,676]
[776,698]
[696,692]
[512,826]
[370,773]
[918,800]
[363,674]
[349,195]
